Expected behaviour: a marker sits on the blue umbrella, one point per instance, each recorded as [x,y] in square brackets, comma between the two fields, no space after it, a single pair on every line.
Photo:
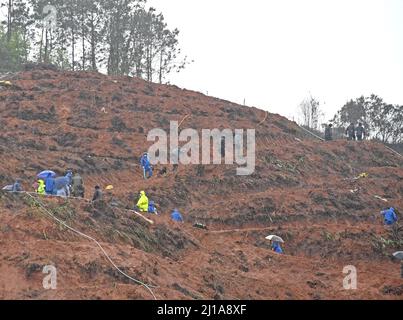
[44,174]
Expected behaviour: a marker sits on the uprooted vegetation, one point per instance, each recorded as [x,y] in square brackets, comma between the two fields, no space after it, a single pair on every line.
[107,223]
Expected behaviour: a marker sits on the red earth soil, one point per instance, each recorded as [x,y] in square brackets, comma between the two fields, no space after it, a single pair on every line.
[302,190]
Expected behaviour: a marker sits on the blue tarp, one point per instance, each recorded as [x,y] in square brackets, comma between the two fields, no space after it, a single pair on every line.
[61,182]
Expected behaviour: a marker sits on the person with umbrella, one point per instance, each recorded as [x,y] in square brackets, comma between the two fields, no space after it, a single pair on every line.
[275,243]
[44,174]
[49,184]
[48,177]
[276,247]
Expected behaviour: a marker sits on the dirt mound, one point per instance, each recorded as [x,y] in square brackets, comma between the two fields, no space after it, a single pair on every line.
[302,190]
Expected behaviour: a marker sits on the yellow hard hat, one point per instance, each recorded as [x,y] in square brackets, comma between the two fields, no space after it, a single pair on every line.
[110,187]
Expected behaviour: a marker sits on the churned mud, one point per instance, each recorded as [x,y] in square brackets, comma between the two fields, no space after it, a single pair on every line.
[302,190]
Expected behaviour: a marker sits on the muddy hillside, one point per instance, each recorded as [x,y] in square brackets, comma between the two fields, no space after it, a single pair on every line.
[303,190]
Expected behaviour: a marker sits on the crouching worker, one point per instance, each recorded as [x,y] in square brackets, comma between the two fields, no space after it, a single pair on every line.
[176,216]
[389,216]
[152,208]
[17,186]
[276,247]
[41,187]
[142,203]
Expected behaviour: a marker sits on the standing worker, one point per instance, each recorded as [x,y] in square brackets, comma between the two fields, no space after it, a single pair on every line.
[49,184]
[97,194]
[77,186]
[350,131]
[329,132]
[147,168]
[142,203]
[360,132]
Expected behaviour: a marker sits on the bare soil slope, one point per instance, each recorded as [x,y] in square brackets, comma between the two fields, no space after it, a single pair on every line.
[302,190]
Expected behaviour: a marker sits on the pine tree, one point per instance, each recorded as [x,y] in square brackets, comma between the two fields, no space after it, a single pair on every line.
[121,37]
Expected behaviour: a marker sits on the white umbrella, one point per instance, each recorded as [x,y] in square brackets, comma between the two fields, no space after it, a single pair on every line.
[8,188]
[275,238]
[398,255]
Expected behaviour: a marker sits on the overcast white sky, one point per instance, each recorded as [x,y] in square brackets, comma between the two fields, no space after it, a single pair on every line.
[273,53]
